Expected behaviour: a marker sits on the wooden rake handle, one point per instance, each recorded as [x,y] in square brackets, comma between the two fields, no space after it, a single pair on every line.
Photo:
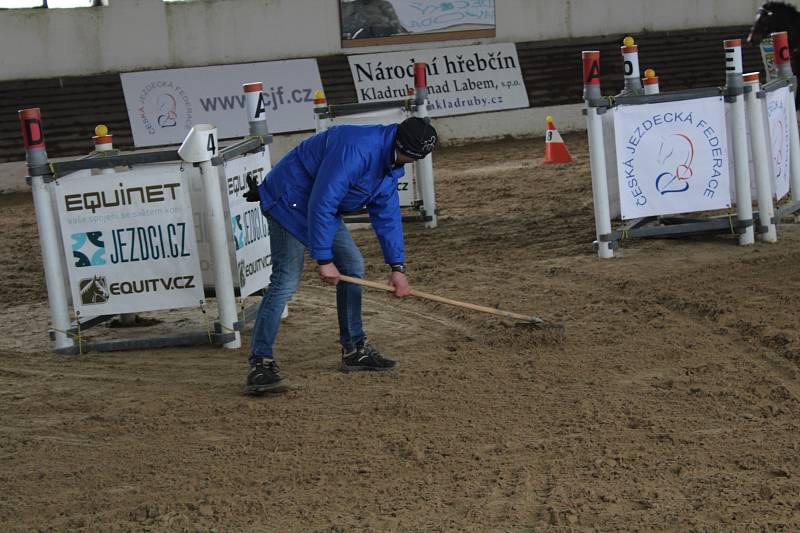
[448,301]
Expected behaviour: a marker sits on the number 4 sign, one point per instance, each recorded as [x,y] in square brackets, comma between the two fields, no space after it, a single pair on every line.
[211,145]
[200,145]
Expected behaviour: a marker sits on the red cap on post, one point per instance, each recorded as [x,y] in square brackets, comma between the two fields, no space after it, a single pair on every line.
[780,42]
[31,124]
[420,75]
[591,67]
[253,87]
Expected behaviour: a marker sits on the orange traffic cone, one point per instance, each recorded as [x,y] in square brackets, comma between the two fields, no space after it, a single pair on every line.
[555,151]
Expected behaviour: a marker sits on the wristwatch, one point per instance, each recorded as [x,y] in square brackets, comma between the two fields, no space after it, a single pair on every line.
[400,267]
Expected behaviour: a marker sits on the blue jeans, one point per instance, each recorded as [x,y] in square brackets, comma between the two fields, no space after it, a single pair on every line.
[287,267]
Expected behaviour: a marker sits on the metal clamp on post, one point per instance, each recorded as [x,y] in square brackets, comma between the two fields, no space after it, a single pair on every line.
[601,105]
[237,326]
[612,245]
[41,171]
[731,93]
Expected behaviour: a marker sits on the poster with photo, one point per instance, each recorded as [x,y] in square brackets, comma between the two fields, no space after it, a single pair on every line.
[377,22]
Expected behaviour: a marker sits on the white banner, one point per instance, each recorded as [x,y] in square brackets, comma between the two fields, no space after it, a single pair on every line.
[129,241]
[249,227]
[464,79]
[672,157]
[163,104]
[778,118]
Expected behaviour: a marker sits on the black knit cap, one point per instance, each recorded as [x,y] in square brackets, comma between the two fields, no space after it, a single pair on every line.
[416,137]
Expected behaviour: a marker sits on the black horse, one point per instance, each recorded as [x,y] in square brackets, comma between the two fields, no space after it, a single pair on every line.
[772,17]
[778,16]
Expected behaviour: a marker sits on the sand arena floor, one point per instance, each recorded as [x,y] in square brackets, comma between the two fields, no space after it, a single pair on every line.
[673,403]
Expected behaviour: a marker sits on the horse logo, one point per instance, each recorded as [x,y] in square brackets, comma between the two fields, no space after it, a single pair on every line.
[93,290]
[242,274]
[168,107]
[429,144]
[676,151]
[88,249]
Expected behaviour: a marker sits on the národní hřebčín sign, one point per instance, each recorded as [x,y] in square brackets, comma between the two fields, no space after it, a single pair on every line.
[129,241]
[672,157]
[464,79]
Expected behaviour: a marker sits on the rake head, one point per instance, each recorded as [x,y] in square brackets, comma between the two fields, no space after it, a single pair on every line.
[537,324]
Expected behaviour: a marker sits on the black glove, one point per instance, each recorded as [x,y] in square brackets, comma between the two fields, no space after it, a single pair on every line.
[252,190]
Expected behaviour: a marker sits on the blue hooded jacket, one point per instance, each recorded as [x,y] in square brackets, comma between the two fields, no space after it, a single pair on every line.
[338,171]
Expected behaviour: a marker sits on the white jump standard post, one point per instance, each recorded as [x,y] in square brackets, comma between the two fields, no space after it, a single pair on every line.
[735,94]
[49,238]
[200,146]
[257,119]
[758,139]
[597,155]
[630,67]
[256,109]
[783,64]
[424,166]
[320,107]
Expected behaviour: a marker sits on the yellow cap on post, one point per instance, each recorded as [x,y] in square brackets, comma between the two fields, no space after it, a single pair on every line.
[101,130]
[549,118]
[628,41]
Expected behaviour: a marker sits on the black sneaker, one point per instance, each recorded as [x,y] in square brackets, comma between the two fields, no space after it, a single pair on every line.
[264,377]
[365,357]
